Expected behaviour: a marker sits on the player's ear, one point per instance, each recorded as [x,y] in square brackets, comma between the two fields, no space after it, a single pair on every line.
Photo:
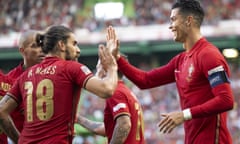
[189,20]
[61,46]
[21,50]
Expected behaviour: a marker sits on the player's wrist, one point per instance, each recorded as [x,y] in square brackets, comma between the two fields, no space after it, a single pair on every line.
[112,68]
[187,115]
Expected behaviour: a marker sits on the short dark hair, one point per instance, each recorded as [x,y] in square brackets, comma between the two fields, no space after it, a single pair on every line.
[49,40]
[193,7]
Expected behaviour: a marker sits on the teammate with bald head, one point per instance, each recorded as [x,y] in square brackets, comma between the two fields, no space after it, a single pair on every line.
[30,51]
[32,54]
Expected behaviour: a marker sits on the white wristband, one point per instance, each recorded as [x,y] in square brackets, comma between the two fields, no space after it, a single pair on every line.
[187,114]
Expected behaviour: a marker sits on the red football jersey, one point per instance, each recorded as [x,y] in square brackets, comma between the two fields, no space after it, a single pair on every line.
[5,85]
[16,72]
[48,93]
[201,76]
[124,102]
[17,115]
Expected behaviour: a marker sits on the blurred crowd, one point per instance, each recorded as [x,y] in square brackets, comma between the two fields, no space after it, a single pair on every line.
[38,14]
[156,101]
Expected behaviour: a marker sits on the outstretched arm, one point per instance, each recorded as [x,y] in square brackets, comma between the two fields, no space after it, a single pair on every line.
[93,126]
[143,79]
[7,105]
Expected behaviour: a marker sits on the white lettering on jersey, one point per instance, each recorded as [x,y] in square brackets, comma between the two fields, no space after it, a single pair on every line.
[29,73]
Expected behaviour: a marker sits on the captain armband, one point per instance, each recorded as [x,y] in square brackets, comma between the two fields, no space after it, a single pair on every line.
[187,114]
[217,76]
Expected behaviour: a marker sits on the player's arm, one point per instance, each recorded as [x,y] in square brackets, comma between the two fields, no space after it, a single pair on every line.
[223,96]
[7,105]
[217,72]
[121,129]
[93,126]
[104,87]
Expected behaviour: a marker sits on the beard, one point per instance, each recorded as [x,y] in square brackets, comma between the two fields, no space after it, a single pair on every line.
[68,55]
[71,55]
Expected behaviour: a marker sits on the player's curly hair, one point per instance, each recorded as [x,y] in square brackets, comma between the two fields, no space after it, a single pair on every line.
[190,7]
[53,34]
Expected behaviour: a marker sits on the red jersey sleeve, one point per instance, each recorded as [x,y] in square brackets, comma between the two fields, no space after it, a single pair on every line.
[15,92]
[217,72]
[118,104]
[143,79]
[78,72]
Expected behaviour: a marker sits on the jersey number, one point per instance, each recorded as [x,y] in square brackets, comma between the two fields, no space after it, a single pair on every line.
[43,105]
[140,123]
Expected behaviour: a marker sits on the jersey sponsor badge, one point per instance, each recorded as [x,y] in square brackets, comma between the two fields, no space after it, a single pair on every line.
[217,76]
[85,70]
[119,106]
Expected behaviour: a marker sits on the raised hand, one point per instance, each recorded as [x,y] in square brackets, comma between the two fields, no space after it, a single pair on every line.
[112,42]
[106,59]
[101,73]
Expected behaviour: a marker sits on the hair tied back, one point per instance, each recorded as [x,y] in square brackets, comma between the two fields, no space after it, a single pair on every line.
[40,39]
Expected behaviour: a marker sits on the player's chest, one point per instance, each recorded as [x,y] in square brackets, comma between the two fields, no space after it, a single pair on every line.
[188,72]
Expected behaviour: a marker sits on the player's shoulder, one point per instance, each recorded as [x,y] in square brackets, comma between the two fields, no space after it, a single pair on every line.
[1,73]
[5,78]
[210,51]
[69,63]
[123,90]
[207,46]
[121,86]
[15,72]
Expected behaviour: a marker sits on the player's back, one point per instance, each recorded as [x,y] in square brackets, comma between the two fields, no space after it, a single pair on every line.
[121,103]
[136,134]
[47,92]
